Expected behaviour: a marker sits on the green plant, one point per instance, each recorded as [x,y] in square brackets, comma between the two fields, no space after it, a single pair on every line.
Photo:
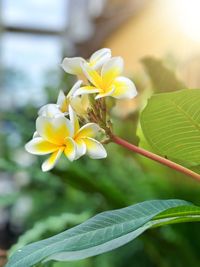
[170,125]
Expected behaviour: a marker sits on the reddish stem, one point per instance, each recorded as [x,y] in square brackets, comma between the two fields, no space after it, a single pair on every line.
[155,157]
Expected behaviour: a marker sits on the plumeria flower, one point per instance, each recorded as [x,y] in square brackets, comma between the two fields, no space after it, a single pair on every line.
[60,135]
[108,82]
[63,102]
[74,65]
[54,136]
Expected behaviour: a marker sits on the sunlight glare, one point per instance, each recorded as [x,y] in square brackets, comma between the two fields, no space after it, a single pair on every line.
[188,17]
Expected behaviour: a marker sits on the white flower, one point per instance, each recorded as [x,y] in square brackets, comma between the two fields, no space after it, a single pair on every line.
[60,135]
[108,82]
[74,65]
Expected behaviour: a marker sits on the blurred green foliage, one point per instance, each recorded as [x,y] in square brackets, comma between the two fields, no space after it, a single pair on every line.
[162,78]
[90,186]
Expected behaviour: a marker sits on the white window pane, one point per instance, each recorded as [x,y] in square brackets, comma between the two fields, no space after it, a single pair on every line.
[49,14]
[26,59]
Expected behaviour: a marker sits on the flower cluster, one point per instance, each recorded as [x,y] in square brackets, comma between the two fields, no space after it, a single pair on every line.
[58,128]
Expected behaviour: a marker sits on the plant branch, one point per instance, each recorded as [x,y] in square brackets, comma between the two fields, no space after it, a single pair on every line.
[155,157]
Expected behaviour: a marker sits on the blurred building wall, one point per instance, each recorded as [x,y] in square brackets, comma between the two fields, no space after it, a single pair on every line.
[154,32]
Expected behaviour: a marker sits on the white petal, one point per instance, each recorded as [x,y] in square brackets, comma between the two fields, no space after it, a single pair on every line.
[86,90]
[70,150]
[52,160]
[99,58]
[92,75]
[80,104]
[112,68]
[72,65]
[61,98]
[95,150]
[80,148]
[51,111]
[74,120]
[39,146]
[75,87]
[35,134]
[54,130]
[88,130]
[108,93]
[124,88]
[62,102]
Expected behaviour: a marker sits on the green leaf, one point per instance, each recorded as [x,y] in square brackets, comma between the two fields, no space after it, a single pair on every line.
[105,232]
[162,78]
[171,124]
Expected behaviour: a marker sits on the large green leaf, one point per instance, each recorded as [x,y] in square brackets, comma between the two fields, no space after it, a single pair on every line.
[162,78]
[105,232]
[171,124]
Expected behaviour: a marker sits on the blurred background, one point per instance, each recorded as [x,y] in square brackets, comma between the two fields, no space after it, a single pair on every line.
[160,43]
